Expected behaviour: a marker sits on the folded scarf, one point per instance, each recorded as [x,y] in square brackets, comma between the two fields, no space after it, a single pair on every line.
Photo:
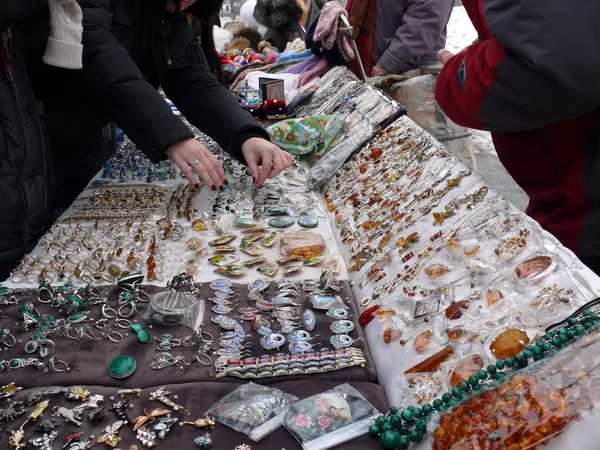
[329,31]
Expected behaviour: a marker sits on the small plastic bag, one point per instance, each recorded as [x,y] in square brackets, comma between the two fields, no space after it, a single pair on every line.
[171,308]
[252,409]
[329,419]
[304,244]
[530,406]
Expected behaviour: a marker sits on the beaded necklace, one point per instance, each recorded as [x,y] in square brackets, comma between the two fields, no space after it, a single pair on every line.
[398,428]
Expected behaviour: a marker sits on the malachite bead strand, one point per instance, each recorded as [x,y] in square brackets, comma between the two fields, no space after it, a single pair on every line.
[397,432]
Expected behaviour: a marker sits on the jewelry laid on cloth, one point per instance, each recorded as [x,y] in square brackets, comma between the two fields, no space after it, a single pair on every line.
[162,394]
[110,434]
[205,441]
[205,422]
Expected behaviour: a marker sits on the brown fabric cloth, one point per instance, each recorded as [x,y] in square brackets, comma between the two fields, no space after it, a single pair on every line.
[197,398]
[363,18]
[89,360]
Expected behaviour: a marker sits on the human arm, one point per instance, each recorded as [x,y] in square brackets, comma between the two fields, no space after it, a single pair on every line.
[490,88]
[113,80]
[212,109]
[418,35]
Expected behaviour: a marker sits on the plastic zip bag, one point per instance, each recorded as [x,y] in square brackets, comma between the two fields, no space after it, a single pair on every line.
[329,419]
[252,409]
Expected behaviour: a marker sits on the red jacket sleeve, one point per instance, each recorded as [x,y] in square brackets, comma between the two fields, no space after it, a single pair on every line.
[463,83]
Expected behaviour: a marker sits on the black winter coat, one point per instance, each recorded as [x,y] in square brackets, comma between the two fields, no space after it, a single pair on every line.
[26,182]
[111,87]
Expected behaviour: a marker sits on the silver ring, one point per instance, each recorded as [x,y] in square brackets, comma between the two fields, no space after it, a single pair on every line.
[119,322]
[51,365]
[196,161]
[108,312]
[111,335]
[131,312]
[199,356]
[6,334]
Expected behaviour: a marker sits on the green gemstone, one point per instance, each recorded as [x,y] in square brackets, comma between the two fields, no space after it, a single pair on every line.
[374,430]
[403,443]
[509,362]
[537,357]
[406,415]
[587,312]
[122,367]
[579,330]
[396,421]
[498,376]
[393,410]
[572,321]
[77,316]
[437,403]
[491,369]
[466,387]
[14,363]
[500,365]
[31,347]
[482,374]
[4,290]
[562,331]
[536,351]
[417,413]
[527,354]
[477,388]
[473,380]
[427,409]
[414,436]
[587,325]
[442,408]
[404,430]
[563,339]
[422,425]
[546,346]
[389,439]
[456,392]
[386,427]
[446,398]
[380,421]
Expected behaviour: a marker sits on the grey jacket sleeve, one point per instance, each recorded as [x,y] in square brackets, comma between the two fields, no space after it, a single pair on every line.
[417,36]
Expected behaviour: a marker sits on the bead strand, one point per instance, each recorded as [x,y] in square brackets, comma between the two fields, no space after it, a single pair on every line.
[398,428]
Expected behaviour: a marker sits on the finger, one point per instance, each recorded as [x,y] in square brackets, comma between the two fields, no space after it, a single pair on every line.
[253,167]
[444,55]
[219,169]
[266,165]
[203,173]
[185,168]
[288,159]
[211,170]
[277,165]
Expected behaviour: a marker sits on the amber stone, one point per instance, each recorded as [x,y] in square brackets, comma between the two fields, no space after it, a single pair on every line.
[494,296]
[376,152]
[455,333]
[533,267]
[422,341]
[391,334]
[465,368]
[455,310]
[472,250]
[508,343]
[436,270]
[433,363]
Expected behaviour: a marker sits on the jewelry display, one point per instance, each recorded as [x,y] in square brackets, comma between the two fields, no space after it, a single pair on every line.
[455,285]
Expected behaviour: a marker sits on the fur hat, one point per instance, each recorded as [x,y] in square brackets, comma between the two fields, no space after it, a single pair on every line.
[239,43]
[279,13]
[251,34]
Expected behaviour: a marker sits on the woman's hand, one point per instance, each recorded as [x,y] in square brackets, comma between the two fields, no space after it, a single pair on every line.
[191,154]
[273,160]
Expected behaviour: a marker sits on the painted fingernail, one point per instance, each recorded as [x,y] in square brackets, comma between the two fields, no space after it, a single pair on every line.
[213,188]
[197,185]
[221,188]
[226,183]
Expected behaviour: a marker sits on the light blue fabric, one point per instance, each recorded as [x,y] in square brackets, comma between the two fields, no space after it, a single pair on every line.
[289,56]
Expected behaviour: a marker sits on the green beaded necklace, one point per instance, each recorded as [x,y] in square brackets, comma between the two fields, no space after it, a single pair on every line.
[397,431]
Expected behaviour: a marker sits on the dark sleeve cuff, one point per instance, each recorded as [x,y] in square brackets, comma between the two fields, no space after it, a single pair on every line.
[243,135]
[157,155]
